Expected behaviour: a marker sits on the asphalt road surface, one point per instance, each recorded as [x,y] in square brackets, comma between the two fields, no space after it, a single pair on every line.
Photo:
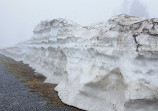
[14,96]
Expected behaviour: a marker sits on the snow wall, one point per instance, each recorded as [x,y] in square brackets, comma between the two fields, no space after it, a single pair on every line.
[100,67]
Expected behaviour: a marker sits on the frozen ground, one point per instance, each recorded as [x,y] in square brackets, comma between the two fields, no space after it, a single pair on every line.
[14,96]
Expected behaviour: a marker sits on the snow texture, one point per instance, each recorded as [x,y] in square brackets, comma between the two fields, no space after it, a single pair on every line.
[100,67]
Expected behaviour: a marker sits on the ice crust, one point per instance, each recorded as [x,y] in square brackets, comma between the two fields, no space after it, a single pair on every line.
[100,67]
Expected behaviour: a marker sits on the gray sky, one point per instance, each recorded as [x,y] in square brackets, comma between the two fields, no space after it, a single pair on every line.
[19,17]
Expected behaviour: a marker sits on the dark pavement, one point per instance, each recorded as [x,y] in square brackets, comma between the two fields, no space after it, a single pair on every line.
[14,96]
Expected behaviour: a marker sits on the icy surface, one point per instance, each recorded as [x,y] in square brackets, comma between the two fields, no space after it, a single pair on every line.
[100,67]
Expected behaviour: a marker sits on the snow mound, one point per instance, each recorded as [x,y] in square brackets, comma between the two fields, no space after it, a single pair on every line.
[101,67]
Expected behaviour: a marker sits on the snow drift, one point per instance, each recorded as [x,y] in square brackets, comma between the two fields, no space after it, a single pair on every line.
[101,67]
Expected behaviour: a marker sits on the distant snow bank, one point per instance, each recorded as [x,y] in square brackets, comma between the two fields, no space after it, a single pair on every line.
[99,67]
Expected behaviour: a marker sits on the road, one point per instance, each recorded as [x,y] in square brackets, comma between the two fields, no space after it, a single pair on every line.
[14,96]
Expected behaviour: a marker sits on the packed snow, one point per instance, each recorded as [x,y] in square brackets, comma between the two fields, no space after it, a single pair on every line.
[101,67]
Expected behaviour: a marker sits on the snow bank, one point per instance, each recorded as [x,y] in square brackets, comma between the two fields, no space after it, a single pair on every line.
[101,67]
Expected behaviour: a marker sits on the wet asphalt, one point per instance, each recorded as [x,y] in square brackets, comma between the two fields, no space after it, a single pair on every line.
[14,96]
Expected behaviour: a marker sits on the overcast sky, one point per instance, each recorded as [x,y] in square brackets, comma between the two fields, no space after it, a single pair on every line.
[19,17]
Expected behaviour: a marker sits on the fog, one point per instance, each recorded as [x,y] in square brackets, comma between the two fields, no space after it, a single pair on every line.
[134,8]
[19,17]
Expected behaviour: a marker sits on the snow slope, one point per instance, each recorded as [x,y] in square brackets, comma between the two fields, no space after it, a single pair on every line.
[101,67]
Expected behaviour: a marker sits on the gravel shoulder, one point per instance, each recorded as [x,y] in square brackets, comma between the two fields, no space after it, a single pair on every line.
[21,89]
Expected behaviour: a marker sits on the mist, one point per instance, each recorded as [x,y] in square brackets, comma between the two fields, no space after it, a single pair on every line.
[18,18]
[135,8]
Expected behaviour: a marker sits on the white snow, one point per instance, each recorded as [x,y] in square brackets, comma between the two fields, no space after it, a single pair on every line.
[100,67]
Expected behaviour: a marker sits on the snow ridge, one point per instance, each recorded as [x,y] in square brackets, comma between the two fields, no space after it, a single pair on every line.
[99,67]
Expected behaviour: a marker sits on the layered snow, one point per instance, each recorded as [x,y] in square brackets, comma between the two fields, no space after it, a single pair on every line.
[101,67]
